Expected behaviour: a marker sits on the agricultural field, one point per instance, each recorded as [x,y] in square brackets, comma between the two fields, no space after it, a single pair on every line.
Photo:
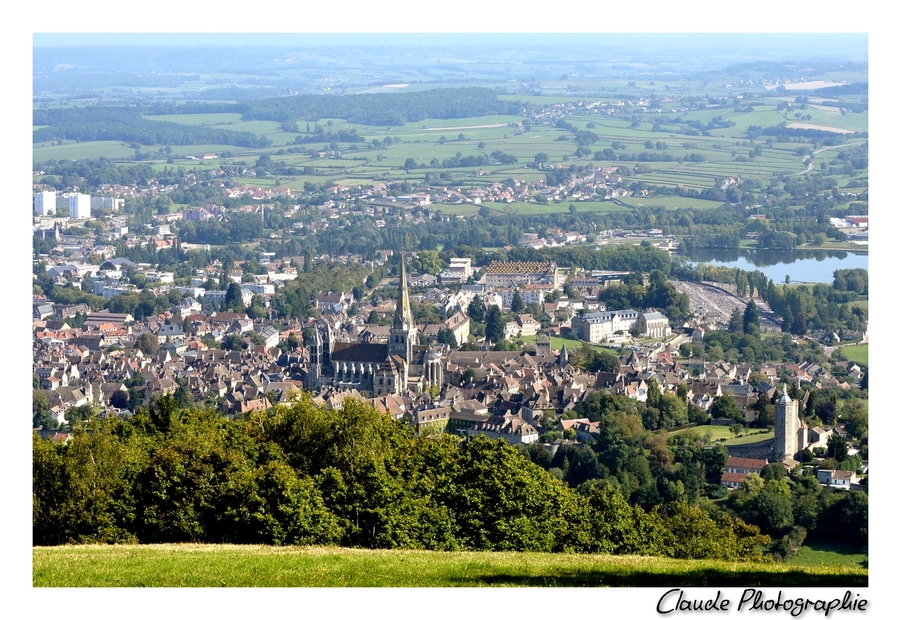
[555,207]
[112,149]
[724,152]
[187,565]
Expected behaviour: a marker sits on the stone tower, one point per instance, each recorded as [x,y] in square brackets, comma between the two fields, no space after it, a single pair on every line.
[434,369]
[320,349]
[788,429]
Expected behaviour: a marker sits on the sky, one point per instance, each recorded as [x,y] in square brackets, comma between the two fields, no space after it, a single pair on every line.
[391,16]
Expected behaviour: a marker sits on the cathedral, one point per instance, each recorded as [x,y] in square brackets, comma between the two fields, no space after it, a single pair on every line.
[371,368]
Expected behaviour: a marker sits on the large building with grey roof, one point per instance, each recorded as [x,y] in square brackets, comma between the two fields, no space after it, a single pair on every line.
[604,326]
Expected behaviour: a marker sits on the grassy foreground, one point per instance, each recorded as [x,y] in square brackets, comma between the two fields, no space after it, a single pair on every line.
[254,566]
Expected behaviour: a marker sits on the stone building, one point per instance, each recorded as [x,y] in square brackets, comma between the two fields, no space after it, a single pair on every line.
[372,368]
[790,430]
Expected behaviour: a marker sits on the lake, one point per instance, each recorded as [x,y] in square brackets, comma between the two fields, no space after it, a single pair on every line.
[801,266]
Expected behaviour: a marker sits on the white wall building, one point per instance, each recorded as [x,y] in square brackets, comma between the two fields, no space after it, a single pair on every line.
[45,203]
[79,206]
[106,203]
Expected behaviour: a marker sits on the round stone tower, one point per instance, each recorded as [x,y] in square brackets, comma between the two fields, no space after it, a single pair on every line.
[787,428]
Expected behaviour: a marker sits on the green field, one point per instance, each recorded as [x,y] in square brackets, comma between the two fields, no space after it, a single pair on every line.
[530,208]
[261,566]
[726,150]
[572,345]
[858,353]
[82,150]
[755,436]
[819,555]
[723,433]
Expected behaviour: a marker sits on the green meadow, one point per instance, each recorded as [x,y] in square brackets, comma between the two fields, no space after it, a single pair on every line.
[176,566]
[858,353]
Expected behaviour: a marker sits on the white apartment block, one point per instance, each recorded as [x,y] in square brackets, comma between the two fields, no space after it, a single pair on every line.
[529,294]
[105,203]
[79,206]
[45,203]
[218,297]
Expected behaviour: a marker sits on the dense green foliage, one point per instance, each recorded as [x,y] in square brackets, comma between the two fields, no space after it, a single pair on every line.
[303,474]
[127,124]
[382,109]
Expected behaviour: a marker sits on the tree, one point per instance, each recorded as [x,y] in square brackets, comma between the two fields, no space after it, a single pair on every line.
[494,326]
[446,336]
[467,377]
[233,342]
[119,399]
[827,411]
[857,416]
[751,318]
[40,412]
[724,407]
[735,322]
[427,261]
[234,299]
[147,343]
[476,309]
[517,304]
[837,448]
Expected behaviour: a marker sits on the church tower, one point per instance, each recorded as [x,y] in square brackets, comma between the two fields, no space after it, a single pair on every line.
[320,349]
[403,333]
[787,429]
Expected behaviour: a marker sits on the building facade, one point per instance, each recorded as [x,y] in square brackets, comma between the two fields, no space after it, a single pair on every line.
[45,203]
[373,368]
[79,206]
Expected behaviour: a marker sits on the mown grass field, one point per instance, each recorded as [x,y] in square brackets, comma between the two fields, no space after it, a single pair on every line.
[263,566]
[858,353]
[572,345]
[719,433]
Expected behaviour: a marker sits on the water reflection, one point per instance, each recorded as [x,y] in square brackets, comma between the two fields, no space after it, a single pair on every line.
[767,258]
[797,265]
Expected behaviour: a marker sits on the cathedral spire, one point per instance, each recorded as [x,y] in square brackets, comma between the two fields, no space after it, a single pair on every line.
[403,316]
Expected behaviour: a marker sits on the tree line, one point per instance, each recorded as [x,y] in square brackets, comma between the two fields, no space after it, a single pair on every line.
[303,474]
[128,125]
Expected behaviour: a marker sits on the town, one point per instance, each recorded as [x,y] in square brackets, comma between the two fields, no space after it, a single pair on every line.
[546,316]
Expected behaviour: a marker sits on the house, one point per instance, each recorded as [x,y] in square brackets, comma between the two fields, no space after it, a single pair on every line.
[836,478]
[512,429]
[737,469]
